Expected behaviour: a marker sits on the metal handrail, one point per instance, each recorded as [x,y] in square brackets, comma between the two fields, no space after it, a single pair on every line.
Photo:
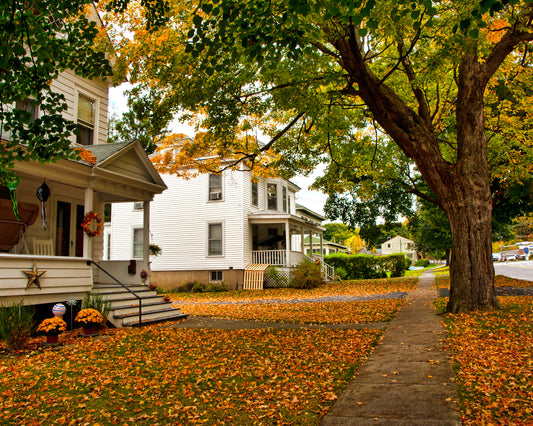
[89,262]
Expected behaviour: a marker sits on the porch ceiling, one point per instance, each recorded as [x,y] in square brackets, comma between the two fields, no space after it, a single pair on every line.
[270,218]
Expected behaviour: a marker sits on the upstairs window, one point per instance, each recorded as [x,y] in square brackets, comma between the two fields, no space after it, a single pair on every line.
[255,194]
[86,113]
[284,198]
[272,196]
[215,187]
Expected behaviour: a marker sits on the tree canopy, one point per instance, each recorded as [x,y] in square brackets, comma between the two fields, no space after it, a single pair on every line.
[388,89]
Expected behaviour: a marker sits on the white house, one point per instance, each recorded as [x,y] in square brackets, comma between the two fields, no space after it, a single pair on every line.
[328,247]
[59,250]
[400,244]
[211,228]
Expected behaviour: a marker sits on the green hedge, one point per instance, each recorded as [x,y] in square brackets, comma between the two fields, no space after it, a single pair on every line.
[364,266]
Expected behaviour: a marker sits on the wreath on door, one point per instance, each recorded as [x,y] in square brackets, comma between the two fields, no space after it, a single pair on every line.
[92,224]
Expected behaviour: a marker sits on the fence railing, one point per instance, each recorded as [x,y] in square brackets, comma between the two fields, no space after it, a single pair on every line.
[270,257]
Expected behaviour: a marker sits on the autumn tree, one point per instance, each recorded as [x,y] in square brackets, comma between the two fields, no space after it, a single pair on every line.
[322,75]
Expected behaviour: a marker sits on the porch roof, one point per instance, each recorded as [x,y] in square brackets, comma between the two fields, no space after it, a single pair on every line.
[264,217]
[123,172]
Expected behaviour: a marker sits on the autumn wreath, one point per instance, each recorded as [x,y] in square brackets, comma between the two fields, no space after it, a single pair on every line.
[87,224]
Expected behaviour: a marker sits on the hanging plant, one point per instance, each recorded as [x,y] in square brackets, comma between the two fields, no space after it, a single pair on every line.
[92,224]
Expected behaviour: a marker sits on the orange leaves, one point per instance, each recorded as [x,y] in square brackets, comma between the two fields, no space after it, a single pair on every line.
[86,155]
[493,353]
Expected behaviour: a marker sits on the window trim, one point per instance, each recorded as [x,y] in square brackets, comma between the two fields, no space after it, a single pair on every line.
[136,228]
[211,280]
[209,224]
[210,191]
[275,185]
[82,123]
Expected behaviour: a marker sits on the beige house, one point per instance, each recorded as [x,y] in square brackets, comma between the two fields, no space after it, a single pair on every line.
[400,244]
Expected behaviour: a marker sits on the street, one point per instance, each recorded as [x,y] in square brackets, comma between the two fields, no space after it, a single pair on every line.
[522,270]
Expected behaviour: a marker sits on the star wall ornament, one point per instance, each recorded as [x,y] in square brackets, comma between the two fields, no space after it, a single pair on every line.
[33,276]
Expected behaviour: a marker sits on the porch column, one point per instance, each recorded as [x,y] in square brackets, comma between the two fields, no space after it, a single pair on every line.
[146,233]
[88,241]
[302,237]
[321,245]
[287,244]
[311,254]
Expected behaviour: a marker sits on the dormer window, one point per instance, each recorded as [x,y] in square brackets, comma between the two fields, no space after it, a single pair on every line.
[86,113]
[215,187]
[272,196]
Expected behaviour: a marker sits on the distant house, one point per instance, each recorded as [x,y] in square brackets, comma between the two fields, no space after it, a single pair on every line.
[325,247]
[215,227]
[400,244]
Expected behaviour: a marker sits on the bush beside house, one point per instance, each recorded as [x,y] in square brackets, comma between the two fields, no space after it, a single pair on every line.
[362,266]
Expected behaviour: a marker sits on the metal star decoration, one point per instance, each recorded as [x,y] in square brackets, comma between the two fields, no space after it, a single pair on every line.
[33,276]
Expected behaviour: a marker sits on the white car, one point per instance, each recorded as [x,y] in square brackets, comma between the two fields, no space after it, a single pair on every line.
[509,257]
[496,257]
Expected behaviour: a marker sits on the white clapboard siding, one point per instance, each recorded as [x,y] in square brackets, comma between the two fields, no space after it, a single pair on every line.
[64,276]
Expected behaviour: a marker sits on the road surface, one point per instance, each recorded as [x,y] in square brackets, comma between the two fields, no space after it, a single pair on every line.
[522,269]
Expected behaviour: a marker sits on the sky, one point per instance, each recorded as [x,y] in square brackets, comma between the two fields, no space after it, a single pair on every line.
[311,199]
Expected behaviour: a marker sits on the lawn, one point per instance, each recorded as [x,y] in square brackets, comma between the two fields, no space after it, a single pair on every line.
[492,354]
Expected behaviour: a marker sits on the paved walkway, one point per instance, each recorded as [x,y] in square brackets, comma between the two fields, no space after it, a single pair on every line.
[407,380]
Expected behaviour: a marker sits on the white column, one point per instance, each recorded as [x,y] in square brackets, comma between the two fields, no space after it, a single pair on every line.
[310,243]
[287,244]
[321,245]
[302,236]
[88,241]
[146,233]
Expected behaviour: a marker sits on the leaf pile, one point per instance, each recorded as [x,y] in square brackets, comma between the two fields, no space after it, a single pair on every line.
[493,355]
[163,376]
[320,312]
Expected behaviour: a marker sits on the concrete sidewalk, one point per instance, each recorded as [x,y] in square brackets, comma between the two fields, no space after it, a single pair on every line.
[407,380]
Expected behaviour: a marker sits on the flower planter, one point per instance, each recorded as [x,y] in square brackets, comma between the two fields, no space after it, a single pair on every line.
[90,331]
[52,339]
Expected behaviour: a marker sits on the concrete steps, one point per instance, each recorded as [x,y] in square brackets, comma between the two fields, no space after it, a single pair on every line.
[124,310]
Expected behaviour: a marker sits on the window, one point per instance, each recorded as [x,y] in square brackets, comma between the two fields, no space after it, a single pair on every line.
[215,239]
[215,187]
[272,196]
[255,194]
[138,242]
[26,105]
[216,276]
[289,203]
[138,205]
[86,112]
[284,198]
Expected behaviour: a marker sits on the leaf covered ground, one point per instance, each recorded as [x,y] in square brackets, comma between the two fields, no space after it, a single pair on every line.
[493,354]
[162,375]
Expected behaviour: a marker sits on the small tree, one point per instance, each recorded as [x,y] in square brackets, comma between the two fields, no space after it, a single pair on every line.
[307,275]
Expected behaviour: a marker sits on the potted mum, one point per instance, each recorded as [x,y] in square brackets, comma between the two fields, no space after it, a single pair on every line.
[89,319]
[51,328]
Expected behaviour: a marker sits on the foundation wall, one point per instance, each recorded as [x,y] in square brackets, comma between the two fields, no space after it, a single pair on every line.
[169,280]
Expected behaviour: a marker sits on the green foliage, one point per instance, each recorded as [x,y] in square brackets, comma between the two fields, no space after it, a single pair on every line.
[275,278]
[362,266]
[307,275]
[216,287]
[16,325]
[198,288]
[38,40]
[155,250]
[338,232]
[97,302]
[422,262]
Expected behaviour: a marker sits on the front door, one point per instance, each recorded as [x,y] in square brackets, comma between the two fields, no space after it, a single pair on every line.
[69,233]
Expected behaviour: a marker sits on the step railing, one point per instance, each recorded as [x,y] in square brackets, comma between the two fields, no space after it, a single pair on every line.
[92,262]
[327,270]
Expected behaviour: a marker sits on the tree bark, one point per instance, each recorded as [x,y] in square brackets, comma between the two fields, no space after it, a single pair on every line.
[463,188]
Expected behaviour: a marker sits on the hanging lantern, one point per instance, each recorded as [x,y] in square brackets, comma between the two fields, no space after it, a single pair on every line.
[43,192]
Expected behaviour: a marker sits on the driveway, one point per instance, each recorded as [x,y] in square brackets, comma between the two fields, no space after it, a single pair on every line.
[522,270]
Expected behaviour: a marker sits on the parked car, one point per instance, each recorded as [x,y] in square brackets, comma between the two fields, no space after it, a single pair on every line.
[509,257]
[496,257]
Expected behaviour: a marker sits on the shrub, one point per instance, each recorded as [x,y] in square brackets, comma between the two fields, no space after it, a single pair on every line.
[422,262]
[186,287]
[216,287]
[98,303]
[363,266]
[341,273]
[16,325]
[198,288]
[307,274]
[275,278]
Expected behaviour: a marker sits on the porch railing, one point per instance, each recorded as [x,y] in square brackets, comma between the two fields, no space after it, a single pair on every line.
[89,262]
[327,270]
[270,257]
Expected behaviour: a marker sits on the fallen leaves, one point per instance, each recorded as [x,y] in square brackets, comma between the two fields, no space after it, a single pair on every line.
[179,376]
[493,354]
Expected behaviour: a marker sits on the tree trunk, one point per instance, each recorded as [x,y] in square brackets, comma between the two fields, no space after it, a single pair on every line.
[471,268]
